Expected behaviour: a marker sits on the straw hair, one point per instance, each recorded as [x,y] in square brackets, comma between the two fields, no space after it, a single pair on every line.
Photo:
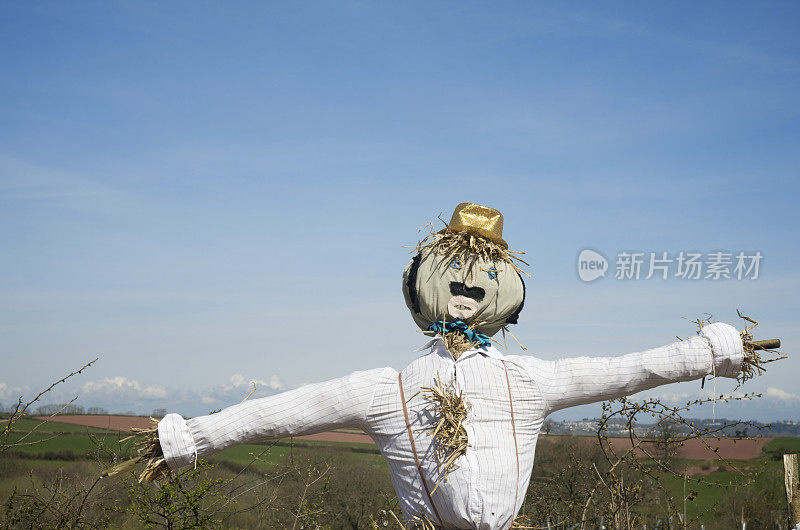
[461,244]
[148,449]
[450,410]
[420,521]
[753,363]
[457,343]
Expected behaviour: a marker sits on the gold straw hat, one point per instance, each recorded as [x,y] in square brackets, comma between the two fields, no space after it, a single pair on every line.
[479,220]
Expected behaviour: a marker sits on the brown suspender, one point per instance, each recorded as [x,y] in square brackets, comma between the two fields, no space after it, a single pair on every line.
[514,430]
[414,447]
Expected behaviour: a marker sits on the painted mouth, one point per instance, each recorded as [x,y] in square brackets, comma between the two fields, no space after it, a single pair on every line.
[462,307]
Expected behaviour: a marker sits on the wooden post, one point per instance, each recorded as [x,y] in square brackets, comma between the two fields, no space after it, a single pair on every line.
[791,479]
[769,344]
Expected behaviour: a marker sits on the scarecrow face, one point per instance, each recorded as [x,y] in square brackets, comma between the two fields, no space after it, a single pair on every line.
[465,287]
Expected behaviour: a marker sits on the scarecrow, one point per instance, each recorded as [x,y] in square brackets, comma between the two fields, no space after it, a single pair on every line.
[458,426]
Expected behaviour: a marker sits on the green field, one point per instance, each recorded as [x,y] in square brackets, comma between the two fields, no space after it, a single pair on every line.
[780,445]
[52,437]
[73,449]
[708,496]
[276,452]
[67,456]
[53,441]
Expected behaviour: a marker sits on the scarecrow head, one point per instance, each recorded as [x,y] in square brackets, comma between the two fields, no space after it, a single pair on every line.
[465,273]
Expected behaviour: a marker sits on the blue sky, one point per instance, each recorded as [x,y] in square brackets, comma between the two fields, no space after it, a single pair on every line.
[204,194]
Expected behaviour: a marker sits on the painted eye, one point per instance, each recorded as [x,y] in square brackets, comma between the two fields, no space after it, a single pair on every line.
[455,264]
[492,273]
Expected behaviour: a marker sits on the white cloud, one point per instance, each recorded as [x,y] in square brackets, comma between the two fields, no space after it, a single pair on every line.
[674,398]
[229,393]
[120,393]
[9,392]
[782,395]
[275,383]
[121,386]
[154,392]
[239,381]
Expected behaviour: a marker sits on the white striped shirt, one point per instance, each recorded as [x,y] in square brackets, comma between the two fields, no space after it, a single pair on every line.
[488,487]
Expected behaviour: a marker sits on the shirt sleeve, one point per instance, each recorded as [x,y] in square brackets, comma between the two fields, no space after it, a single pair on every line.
[310,409]
[717,350]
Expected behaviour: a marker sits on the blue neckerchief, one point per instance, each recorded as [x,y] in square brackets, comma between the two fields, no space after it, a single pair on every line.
[472,335]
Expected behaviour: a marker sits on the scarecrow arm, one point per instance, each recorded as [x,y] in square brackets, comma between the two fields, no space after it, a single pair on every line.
[717,350]
[306,410]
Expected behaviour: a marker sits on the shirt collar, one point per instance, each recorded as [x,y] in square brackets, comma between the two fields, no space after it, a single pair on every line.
[436,344]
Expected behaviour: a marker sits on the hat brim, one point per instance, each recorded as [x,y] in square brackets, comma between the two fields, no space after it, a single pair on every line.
[491,236]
